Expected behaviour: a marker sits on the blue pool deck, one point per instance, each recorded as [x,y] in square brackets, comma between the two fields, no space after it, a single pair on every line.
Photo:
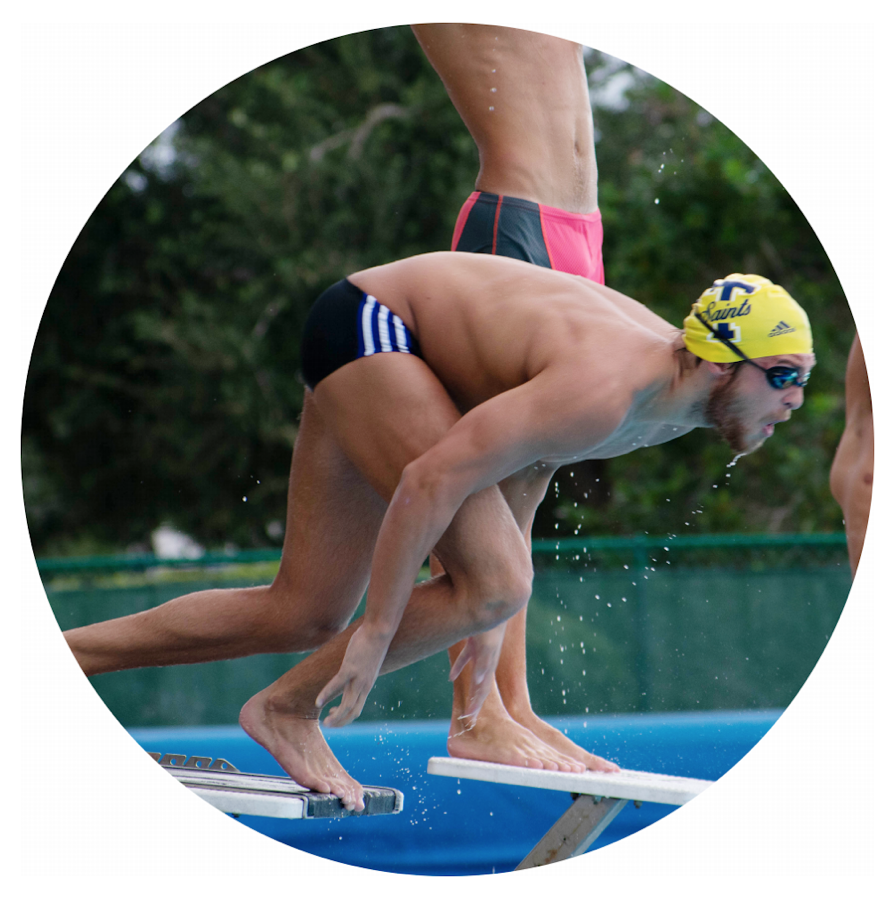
[452,827]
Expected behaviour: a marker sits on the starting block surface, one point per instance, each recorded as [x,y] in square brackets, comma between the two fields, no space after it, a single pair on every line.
[597,799]
[222,785]
[638,786]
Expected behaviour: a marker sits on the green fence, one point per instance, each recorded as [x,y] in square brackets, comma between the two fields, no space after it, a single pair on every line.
[614,625]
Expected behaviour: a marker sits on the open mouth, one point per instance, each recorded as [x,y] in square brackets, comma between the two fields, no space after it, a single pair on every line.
[769,429]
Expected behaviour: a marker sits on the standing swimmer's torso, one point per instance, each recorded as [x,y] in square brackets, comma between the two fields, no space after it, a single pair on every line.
[524,98]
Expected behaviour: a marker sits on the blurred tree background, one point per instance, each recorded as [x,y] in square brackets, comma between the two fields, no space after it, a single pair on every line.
[164,383]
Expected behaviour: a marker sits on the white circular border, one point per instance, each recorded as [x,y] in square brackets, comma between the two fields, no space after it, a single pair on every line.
[92,87]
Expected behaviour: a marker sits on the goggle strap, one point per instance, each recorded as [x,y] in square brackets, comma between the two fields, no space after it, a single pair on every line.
[719,337]
[800,382]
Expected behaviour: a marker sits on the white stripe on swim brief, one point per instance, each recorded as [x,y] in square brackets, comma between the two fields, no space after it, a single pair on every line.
[402,343]
[368,341]
[384,336]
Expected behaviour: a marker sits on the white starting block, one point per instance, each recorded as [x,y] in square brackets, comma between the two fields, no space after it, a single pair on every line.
[598,799]
[226,788]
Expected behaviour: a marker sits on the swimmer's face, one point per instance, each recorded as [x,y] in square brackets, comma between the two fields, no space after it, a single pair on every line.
[745,408]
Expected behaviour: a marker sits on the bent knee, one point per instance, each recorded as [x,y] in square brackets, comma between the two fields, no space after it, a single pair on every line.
[501,596]
[300,626]
[303,634]
[319,633]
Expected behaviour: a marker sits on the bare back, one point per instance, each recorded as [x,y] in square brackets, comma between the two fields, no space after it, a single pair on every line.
[488,324]
[524,98]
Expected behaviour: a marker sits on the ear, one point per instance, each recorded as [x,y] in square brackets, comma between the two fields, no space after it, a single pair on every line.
[719,369]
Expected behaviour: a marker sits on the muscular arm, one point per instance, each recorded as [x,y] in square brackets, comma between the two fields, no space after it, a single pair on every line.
[493,441]
[852,472]
[524,98]
[496,439]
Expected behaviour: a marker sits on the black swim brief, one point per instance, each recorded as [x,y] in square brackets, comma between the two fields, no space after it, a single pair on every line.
[345,324]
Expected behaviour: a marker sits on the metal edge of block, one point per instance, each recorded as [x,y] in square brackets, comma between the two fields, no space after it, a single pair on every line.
[266,806]
[245,783]
[280,797]
[228,789]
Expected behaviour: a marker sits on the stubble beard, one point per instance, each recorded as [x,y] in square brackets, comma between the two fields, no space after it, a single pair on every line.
[724,412]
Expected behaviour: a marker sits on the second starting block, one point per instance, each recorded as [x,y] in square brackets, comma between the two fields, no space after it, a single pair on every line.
[598,799]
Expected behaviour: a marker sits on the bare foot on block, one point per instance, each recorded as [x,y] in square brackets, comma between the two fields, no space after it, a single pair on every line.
[497,738]
[561,743]
[298,745]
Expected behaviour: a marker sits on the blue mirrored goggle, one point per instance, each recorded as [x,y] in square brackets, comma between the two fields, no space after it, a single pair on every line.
[780,377]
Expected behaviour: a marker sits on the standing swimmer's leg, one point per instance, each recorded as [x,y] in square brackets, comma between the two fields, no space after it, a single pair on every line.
[507,730]
[496,735]
[511,675]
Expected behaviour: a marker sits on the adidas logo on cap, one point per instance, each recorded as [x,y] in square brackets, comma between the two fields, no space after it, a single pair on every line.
[781,328]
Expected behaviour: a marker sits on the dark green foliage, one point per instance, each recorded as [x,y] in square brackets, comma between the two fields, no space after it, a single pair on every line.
[163,385]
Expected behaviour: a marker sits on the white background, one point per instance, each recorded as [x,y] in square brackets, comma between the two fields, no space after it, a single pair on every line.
[86,88]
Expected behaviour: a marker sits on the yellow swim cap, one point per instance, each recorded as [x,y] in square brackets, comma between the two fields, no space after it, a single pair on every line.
[759,317]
